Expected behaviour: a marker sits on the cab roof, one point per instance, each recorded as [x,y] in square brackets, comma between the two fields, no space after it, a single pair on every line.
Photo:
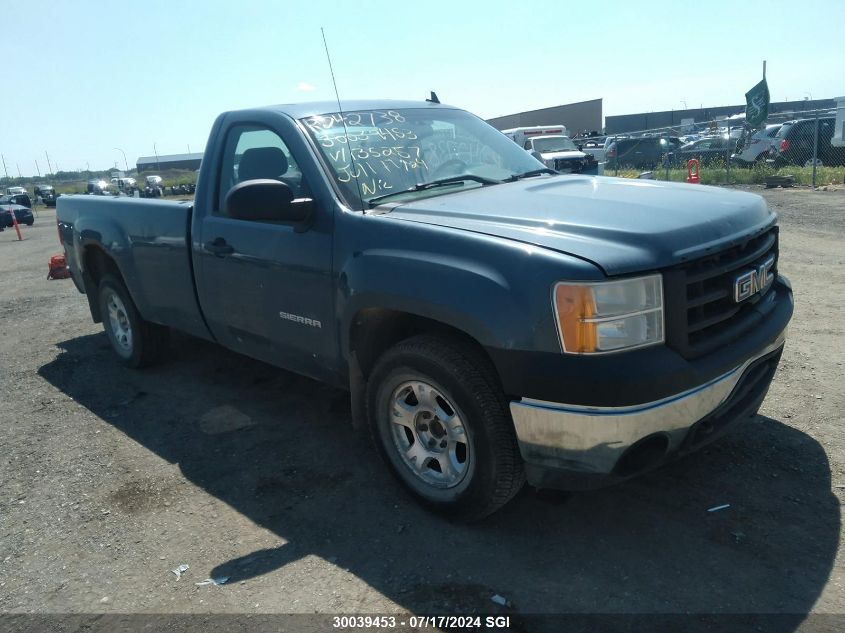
[312,108]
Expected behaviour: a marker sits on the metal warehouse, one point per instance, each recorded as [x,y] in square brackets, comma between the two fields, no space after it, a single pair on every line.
[649,120]
[170,161]
[577,117]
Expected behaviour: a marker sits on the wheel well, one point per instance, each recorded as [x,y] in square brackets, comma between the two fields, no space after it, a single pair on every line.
[96,264]
[375,330]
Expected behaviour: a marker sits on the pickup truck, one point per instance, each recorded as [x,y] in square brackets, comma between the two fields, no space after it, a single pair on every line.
[493,320]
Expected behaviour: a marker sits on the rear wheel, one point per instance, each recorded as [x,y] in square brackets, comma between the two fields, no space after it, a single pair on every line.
[136,342]
[809,162]
[441,422]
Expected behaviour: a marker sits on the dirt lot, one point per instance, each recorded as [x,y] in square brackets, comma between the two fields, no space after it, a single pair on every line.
[110,478]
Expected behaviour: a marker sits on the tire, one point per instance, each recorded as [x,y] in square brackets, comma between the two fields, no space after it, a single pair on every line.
[437,402]
[809,162]
[138,343]
[30,223]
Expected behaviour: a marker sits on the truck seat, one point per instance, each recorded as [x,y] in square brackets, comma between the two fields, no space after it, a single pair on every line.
[268,162]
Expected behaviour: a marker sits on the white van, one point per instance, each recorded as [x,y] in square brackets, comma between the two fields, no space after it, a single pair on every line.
[523,136]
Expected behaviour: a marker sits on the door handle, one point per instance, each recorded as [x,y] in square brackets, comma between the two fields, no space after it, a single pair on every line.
[219,247]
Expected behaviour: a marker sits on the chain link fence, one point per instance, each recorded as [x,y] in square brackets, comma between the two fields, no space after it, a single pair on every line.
[791,148]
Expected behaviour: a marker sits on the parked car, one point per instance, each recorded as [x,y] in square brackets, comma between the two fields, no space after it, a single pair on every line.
[126,185]
[756,147]
[562,154]
[593,147]
[22,214]
[638,153]
[794,144]
[14,190]
[21,199]
[494,320]
[555,148]
[47,193]
[707,151]
[97,187]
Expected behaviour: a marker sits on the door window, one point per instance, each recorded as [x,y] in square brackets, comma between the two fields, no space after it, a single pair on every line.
[254,152]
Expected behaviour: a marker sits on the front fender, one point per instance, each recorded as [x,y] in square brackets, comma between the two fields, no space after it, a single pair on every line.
[453,290]
[497,291]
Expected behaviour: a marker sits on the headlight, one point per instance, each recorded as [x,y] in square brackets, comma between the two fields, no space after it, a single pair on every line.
[609,316]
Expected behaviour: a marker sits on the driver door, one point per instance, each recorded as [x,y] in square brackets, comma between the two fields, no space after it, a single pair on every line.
[266,288]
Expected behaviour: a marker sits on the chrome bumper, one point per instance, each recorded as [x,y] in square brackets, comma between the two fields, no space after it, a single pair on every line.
[592,439]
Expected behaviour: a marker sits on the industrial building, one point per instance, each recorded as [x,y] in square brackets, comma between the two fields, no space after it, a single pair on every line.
[577,117]
[170,161]
[675,118]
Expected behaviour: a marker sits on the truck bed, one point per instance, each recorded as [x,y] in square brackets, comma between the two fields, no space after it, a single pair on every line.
[150,242]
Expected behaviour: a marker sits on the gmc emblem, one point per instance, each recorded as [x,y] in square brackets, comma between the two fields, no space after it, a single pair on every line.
[754,281]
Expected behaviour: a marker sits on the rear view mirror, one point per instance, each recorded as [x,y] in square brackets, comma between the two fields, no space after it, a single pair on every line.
[266,200]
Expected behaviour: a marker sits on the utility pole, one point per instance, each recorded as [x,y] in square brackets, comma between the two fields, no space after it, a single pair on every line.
[48,161]
[19,170]
[155,149]
[4,166]
[38,169]
[125,162]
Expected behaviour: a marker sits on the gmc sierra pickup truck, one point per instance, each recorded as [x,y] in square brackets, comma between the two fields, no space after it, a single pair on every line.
[494,321]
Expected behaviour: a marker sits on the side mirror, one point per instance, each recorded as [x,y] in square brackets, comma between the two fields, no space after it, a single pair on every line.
[267,200]
[537,155]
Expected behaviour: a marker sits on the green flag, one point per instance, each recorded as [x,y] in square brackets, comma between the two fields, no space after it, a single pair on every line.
[757,104]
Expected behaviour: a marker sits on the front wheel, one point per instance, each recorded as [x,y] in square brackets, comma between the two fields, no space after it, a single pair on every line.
[136,342]
[441,422]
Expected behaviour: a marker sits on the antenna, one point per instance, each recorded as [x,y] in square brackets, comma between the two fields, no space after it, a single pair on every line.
[433,98]
[343,121]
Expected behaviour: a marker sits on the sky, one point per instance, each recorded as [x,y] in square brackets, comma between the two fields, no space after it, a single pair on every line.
[86,80]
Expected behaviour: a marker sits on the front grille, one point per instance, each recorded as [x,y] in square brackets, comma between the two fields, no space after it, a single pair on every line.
[573,164]
[701,312]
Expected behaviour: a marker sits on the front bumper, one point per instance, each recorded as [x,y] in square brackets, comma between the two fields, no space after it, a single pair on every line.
[574,446]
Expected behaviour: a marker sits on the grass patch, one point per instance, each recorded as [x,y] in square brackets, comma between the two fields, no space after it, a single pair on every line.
[756,175]
[170,177]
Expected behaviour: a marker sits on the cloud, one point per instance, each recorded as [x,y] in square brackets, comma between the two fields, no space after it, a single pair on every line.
[304,86]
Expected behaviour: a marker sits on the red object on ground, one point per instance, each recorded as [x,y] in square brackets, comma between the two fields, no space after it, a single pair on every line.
[692,171]
[58,268]
[15,223]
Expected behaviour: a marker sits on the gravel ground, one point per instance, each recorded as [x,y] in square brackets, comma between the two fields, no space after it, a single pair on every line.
[110,478]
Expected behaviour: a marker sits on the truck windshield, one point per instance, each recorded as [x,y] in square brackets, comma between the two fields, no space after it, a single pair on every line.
[554,144]
[372,153]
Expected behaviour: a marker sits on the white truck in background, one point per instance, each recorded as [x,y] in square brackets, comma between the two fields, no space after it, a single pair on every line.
[523,136]
[556,148]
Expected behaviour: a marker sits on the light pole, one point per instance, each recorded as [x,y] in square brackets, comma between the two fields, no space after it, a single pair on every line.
[125,162]
[158,167]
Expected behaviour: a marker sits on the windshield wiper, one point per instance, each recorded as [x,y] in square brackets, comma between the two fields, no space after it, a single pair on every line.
[529,174]
[422,186]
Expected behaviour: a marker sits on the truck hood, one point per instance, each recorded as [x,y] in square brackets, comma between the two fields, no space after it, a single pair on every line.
[621,225]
